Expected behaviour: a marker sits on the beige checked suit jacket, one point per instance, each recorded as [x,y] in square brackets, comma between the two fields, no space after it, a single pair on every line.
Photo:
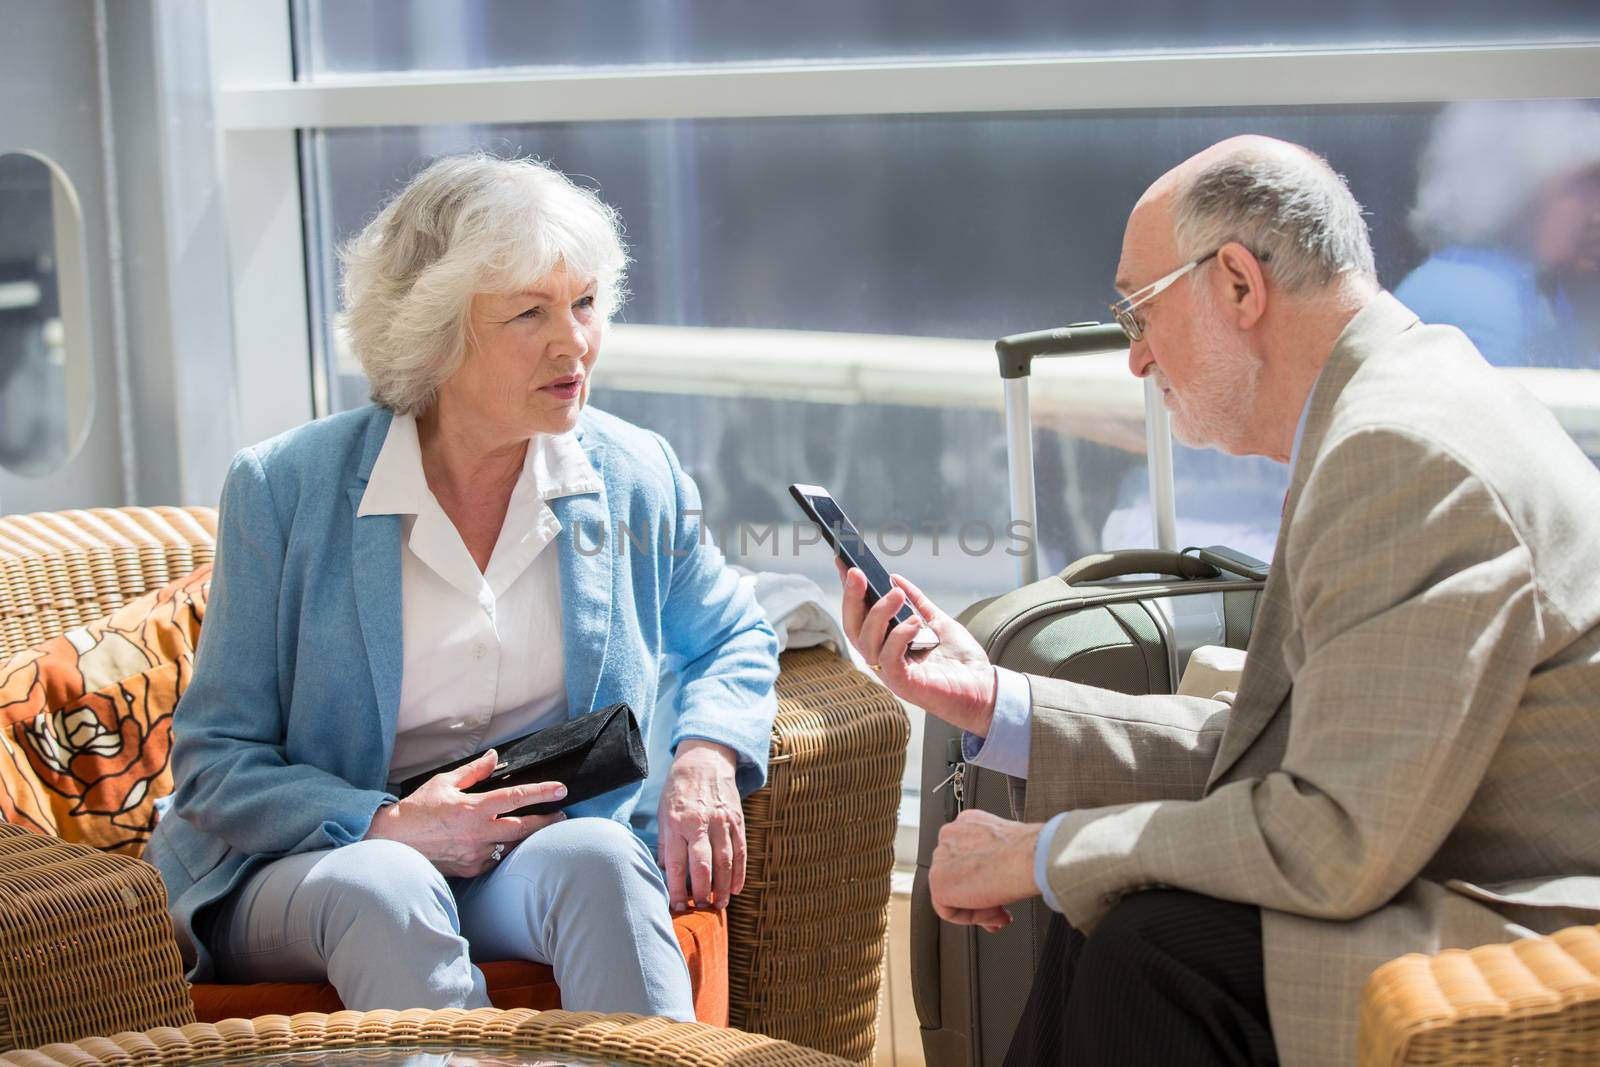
[1412,760]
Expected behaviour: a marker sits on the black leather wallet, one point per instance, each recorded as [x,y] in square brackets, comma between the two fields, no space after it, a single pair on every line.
[590,755]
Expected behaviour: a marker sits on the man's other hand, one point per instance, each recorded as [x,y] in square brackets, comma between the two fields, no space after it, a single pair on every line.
[983,863]
[953,680]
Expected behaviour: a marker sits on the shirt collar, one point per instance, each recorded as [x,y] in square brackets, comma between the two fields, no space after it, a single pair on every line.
[1300,428]
[555,466]
[396,485]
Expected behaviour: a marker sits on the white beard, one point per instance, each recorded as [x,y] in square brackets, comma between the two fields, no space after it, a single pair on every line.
[1213,409]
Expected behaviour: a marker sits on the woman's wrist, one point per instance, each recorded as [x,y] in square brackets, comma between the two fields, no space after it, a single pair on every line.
[696,744]
[382,821]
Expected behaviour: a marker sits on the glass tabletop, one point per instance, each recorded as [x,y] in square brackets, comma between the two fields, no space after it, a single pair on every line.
[412,1056]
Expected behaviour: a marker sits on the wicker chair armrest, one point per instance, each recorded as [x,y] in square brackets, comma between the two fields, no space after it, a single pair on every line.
[1536,1000]
[86,946]
[66,568]
[626,1038]
[806,935]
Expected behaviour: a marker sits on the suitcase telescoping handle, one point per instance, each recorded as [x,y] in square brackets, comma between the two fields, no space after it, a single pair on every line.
[1016,355]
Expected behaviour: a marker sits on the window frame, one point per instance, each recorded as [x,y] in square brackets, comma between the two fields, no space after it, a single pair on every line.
[1177,79]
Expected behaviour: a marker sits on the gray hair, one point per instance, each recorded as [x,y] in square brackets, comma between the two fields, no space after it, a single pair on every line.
[1487,160]
[1289,207]
[467,224]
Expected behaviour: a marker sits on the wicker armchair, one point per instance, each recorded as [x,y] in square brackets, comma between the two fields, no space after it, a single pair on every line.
[805,938]
[366,1035]
[1534,1001]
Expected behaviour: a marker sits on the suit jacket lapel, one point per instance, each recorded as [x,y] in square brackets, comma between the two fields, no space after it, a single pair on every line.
[1267,680]
[588,556]
[375,544]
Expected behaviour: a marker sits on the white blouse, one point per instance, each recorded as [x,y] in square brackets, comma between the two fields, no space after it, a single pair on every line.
[482,654]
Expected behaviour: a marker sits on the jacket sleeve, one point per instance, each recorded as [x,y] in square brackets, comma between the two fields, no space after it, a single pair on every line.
[729,655]
[232,778]
[1418,624]
[1092,747]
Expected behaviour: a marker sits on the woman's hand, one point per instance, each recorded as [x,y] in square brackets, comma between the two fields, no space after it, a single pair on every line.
[701,826]
[954,680]
[458,831]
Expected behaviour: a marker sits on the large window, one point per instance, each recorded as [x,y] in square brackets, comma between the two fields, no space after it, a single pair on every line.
[882,243]
[816,289]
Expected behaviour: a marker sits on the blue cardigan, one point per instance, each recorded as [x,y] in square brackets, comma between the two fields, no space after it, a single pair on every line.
[283,739]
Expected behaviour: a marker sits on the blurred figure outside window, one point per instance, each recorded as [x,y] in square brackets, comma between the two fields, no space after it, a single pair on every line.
[1508,204]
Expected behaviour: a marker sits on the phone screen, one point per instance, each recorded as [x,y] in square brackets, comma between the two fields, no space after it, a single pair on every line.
[847,541]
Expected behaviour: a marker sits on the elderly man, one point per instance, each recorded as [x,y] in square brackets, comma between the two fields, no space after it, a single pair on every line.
[1409,761]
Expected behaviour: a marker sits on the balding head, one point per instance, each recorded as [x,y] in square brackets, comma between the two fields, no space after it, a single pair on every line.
[1284,262]
[1281,201]
[1248,145]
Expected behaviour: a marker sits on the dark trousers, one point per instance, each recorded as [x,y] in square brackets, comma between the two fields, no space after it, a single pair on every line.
[1166,978]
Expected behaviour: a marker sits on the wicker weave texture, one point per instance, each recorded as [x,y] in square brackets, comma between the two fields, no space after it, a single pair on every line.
[1535,1001]
[585,1035]
[85,943]
[806,936]
[65,568]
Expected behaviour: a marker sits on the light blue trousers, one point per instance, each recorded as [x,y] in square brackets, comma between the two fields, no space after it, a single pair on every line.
[378,921]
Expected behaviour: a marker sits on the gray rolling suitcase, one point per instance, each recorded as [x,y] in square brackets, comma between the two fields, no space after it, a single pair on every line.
[1121,620]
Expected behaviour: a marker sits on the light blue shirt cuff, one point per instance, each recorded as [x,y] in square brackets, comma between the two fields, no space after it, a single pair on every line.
[1041,862]
[1006,748]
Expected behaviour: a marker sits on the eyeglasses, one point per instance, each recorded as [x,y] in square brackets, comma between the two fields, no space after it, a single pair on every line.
[1123,309]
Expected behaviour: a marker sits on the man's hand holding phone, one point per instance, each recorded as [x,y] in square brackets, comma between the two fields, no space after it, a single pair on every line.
[953,680]
[922,654]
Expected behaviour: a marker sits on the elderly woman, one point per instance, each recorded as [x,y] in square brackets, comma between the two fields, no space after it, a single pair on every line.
[1508,203]
[413,582]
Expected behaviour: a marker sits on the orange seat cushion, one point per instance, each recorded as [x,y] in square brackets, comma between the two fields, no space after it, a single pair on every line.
[703,935]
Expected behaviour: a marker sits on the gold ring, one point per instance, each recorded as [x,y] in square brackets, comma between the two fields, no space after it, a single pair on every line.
[875,666]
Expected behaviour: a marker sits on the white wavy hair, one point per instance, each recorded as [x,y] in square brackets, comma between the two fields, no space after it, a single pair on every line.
[467,224]
[1486,161]
[1290,208]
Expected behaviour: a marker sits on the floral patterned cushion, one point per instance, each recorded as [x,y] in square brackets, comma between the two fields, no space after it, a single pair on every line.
[86,719]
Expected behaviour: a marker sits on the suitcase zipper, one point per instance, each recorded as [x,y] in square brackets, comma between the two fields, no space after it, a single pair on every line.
[957,780]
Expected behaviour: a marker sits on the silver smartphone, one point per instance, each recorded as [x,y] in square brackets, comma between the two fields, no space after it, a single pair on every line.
[842,535]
